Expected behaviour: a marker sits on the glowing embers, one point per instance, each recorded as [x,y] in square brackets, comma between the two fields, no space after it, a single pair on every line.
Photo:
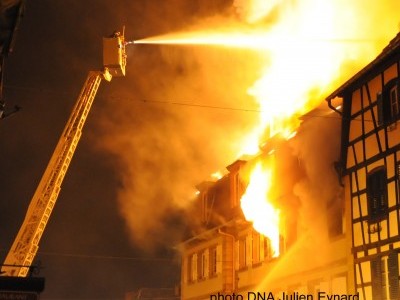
[256,204]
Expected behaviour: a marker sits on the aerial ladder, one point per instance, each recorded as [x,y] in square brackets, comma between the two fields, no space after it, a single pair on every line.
[19,259]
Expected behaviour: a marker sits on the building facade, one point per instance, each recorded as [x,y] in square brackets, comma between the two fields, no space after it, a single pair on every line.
[228,257]
[370,166]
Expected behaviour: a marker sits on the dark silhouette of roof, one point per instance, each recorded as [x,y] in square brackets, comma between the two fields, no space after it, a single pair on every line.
[11,12]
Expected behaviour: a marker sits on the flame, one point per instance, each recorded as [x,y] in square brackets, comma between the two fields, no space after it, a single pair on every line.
[217,175]
[258,209]
[305,45]
[304,50]
[254,11]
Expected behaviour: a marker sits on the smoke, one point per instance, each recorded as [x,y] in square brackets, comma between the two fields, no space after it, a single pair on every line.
[316,200]
[317,147]
[254,11]
[180,120]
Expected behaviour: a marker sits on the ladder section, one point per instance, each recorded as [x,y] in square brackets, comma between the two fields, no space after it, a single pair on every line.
[26,244]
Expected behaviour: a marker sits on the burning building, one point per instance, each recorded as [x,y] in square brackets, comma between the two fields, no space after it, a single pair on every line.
[328,222]
[258,233]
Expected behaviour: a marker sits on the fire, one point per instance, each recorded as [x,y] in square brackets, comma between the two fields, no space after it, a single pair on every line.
[258,209]
[217,175]
[305,45]
[253,11]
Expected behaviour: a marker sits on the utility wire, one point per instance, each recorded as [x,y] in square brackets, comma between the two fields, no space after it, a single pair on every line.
[13,87]
[184,104]
[166,102]
[107,257]
[104,257]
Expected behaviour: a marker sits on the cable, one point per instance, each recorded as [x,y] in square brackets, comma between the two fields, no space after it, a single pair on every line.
[137,100]
[185,104]
[171,102]
[104,257]
[108,257]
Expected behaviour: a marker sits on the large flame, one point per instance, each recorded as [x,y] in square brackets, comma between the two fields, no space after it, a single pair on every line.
[305,46]
[304,49]
[258,209]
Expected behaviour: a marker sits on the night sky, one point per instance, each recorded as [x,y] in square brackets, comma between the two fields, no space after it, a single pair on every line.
[179,115]
[135,147]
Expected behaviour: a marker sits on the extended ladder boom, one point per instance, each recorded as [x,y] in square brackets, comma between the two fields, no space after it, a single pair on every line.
[26,244]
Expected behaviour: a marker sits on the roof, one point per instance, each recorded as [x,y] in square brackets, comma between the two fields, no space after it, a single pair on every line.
[390,50]
[11,12]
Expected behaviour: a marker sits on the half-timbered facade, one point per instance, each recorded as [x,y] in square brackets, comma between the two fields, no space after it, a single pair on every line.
[370,166]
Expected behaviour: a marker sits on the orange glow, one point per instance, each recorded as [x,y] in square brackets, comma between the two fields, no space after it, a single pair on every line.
[258,209]
[308,47]
[255,10]
[217,175]
[236,39]
[304,50]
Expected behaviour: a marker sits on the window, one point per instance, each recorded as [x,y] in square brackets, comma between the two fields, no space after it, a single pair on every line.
[242,252]
[377,194]
[394,102]
[202,264]
[385,277]
[256,247]
[213,261]
[267,248]
[389,103]
[192,267]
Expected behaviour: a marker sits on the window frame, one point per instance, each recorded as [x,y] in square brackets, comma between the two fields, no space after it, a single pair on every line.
[388,107]
[377,194]
[242,261]
[256,255]
[213,261]
[385,276]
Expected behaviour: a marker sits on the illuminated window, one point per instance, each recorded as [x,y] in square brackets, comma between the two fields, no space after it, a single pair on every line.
[242,252]
[192,267]
[256,247]
[202,264]
[267,248]
[213,261]
[377,194]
